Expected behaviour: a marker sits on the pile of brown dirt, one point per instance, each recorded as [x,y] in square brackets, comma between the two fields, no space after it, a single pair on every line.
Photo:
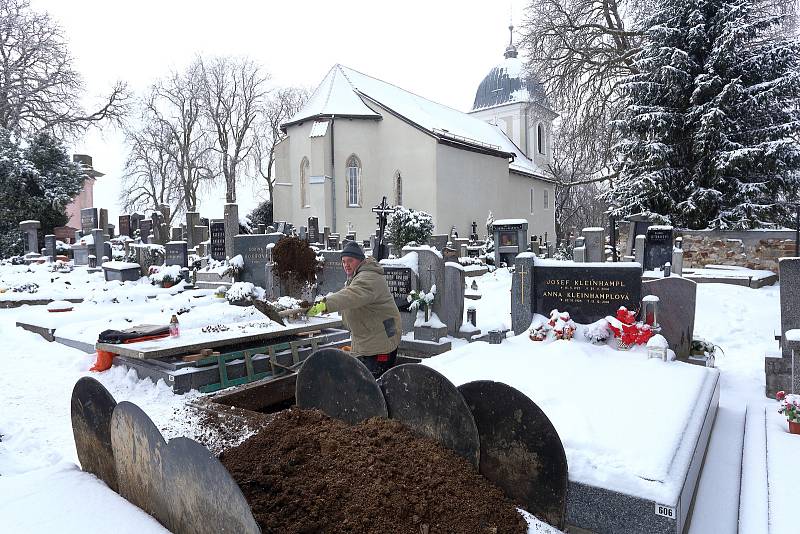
[307,473]
[295,259]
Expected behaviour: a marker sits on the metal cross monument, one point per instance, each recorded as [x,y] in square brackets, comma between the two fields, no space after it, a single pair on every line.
[383,210]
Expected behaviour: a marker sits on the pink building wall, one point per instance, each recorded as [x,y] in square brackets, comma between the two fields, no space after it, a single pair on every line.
[85,199]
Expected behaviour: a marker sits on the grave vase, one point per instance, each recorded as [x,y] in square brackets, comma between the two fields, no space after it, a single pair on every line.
[794,428]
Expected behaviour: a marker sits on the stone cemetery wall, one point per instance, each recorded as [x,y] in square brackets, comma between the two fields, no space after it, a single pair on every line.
[754,249]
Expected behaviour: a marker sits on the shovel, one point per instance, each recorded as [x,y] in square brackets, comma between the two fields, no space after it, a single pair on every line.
[275,315]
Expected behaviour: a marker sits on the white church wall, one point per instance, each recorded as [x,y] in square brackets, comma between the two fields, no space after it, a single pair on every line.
[384,147]
[541,217]
[282,190]
[511,119]
[470,185]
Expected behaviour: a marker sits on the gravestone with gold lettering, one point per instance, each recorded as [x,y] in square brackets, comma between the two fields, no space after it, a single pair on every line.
[401,281]
[587,291]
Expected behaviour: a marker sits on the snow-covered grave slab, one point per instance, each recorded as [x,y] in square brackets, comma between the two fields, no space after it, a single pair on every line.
[194,339]
[724,274]
[162,359]
[769,472]
[36,285]
[113,305]
[634,429]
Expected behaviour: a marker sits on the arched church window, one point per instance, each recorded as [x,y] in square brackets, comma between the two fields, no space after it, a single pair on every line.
[353,181]
[304,171]
[398,189]
[540,138]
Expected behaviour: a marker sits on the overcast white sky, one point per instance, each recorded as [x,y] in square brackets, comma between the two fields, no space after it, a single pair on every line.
[439,49]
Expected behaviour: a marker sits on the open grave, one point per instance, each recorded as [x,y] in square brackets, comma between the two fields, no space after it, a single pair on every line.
[119,444]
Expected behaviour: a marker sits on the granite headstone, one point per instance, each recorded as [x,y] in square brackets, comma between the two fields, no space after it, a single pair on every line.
[676,310]
[176,253]
[218,240]
[658,247]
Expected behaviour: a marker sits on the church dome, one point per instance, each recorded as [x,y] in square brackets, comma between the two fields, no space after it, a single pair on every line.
[506,84]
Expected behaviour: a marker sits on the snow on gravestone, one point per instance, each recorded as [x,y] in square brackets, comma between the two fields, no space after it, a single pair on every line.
[588,291]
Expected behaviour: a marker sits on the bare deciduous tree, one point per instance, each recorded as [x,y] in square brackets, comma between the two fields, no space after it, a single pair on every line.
[171,154]
[39,89]
[148,180]
[233,92]
[177,104]
[281,105]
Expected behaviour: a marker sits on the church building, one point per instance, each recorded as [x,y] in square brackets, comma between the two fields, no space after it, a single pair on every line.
[358,139]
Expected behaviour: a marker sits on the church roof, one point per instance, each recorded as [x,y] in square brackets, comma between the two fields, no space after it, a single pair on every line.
[506,84]
[342,93]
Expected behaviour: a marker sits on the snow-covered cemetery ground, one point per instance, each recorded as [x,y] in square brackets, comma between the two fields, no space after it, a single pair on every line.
[610,407]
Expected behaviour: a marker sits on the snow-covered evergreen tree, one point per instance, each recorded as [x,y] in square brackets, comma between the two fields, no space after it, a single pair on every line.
[710,132]
[36,182]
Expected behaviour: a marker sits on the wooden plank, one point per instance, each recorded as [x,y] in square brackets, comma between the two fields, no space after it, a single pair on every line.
[161,348]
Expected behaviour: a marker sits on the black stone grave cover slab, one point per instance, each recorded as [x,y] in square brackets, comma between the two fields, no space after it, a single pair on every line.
[432,406]
[521,451]
[91,408]
[341,386]
[587,292]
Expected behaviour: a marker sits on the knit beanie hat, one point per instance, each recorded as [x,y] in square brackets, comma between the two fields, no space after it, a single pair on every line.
[352,249]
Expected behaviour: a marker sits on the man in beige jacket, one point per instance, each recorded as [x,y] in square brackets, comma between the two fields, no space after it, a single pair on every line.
[367,309]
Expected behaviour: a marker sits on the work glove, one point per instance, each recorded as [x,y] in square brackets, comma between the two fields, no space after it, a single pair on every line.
[316,309]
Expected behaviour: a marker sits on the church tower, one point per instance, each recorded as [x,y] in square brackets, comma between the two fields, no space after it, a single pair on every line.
[516,103]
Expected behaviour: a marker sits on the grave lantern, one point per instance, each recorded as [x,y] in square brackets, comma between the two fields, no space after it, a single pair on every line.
[472,316]
[650,312]
[657,347]
[92,261]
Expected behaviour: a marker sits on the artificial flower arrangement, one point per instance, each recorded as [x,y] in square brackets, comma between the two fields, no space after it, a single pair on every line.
[419,300]
[164,276]
[790,407]
[560,324]
[627,329]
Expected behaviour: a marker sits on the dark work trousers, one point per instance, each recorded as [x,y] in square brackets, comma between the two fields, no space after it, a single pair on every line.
[379,363]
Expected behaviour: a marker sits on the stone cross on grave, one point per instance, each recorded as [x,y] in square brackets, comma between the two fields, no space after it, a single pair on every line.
[522,273]
[383,210]
[431,278]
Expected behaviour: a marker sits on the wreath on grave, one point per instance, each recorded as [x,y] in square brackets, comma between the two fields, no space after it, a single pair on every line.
[628,330]
[295,260]
[560,326]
